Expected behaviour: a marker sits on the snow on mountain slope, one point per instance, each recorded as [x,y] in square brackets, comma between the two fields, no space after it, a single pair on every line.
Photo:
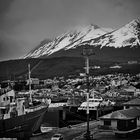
[68,40]
[128,35]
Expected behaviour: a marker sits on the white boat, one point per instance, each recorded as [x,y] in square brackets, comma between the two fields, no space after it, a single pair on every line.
[94,102]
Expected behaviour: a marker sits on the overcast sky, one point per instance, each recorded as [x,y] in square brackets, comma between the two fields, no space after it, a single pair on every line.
[24,23]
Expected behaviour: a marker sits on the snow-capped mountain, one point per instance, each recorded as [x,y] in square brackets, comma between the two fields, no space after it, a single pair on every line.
[69,40]
[128,35]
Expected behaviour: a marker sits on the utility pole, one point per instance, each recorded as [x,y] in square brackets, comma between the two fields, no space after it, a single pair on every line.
[86,53]
[30,89]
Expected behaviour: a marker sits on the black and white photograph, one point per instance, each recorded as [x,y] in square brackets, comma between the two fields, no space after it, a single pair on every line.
[69,69]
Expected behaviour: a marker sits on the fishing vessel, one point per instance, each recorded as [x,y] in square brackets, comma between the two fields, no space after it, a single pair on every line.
[20,117]
[93,104]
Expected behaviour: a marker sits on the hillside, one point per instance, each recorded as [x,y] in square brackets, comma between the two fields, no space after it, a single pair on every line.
[62,66]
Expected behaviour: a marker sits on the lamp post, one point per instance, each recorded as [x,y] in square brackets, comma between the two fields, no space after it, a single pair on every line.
[86,53]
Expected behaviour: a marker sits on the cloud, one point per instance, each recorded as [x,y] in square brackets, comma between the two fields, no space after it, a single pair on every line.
[59,12]
[4,6]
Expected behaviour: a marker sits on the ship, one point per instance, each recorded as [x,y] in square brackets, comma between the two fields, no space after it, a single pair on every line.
[93,104]
[20,117]
[97,106]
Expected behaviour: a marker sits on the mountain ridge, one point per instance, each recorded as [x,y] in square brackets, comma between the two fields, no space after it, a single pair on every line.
[128,35]
[68,40]
[92,35]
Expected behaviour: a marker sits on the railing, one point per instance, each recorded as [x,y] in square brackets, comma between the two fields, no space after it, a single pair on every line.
[85,108]
[35,108]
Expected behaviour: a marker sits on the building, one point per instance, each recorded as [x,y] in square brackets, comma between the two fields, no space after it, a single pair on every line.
[132,103]
[115,82]
[34,81]
[132,62]
[122,122]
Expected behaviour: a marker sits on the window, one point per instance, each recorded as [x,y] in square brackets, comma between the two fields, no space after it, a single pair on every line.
[107,122]
[4,99]
[11,98]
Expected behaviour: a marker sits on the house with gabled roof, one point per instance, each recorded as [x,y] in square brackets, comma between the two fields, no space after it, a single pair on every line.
[122,122]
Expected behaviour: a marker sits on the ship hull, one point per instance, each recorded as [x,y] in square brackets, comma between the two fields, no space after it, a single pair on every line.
[22,126]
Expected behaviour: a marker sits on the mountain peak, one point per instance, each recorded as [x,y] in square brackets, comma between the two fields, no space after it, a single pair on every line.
[128,35]
[94,26]
[134,23]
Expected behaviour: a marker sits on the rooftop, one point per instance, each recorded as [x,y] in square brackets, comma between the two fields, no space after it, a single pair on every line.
[123,114]
[133,102]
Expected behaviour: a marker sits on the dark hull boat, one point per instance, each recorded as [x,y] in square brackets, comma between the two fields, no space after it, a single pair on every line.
[22,126]
[20,117]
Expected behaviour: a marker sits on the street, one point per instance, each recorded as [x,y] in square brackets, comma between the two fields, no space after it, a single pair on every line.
[68,133]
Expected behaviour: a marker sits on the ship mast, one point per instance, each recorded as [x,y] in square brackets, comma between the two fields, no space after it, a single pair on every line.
[29,76]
